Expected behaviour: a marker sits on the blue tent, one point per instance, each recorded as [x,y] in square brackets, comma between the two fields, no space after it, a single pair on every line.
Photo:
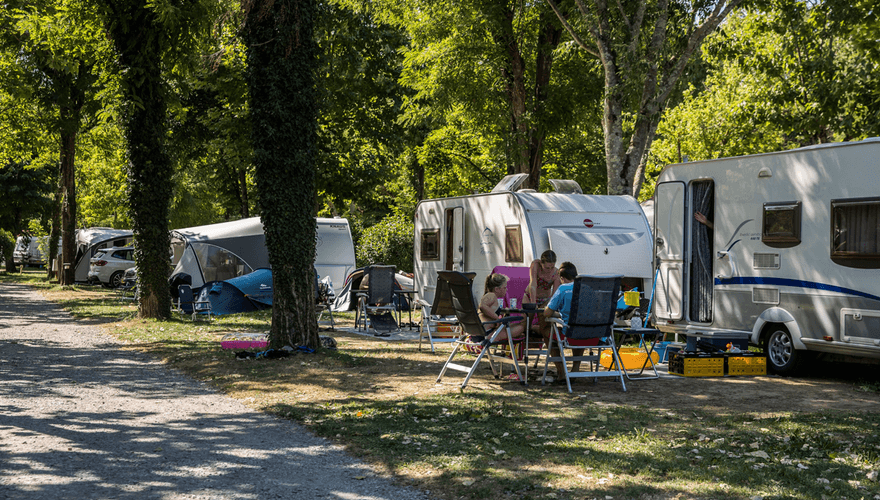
[247,293]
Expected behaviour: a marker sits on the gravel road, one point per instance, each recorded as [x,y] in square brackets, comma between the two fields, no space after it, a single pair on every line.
[81,418]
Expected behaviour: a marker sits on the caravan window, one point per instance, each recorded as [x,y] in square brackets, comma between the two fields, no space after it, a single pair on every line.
[782,224]
[513,244]
[855,232]
[430,244]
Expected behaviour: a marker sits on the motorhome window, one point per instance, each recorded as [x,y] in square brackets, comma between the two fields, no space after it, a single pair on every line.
[782,224]
[430,245]
[513,244]
[855,232]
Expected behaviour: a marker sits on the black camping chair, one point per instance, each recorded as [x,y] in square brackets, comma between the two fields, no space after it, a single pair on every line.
[187,303]
[474,337]
[590,327]
[439,323]
[323,301]
[376,304]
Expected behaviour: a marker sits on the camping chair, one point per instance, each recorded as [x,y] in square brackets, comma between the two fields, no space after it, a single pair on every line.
[376,304]
[439,323]
[590,326]
[474,337]
[324,301]
[518,281]
[188,304]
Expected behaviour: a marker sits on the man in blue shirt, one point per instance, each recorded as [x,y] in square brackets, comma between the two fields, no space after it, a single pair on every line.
[560,305]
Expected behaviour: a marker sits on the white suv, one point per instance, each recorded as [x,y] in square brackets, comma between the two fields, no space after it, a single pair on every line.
[109,264]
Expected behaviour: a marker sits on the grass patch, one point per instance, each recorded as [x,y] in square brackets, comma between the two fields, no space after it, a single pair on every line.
[502,440]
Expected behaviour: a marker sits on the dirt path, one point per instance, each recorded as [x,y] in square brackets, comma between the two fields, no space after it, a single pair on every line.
[82,418]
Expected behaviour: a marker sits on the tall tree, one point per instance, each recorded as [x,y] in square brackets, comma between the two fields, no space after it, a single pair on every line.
[148,37]
[487,66]
[60,43]
[644,47]
[281,62]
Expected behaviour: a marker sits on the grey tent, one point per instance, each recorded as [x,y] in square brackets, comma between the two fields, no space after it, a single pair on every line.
[223,251]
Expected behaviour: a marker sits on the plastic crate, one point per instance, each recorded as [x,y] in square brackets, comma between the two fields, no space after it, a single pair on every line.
[697,365]
[746,365]
[632,358]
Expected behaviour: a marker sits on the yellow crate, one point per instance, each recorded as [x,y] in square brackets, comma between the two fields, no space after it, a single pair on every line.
[697,367]
[631,298]
[752,365]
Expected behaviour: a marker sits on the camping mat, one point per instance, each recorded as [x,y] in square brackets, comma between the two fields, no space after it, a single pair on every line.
[383,322]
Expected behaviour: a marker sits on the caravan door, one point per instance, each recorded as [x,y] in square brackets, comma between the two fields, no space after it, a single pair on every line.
[454,239]
[669,247]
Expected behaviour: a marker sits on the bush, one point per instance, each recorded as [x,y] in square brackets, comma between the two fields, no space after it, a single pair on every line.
[7,245]
[389,242]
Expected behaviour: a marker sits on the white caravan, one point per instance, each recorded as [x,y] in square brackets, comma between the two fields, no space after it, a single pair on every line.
[599,234]
[222,251]
[791,254]
[90,240]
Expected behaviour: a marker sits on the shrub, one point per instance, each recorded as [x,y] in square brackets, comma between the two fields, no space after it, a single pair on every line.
[7,245]
[389,242]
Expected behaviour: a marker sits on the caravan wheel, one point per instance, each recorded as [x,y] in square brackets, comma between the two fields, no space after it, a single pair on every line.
[782,357]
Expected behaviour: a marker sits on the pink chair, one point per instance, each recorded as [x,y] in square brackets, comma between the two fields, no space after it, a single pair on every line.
[518,281]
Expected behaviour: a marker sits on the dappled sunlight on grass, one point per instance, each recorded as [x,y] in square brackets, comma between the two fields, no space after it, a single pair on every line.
[664,439]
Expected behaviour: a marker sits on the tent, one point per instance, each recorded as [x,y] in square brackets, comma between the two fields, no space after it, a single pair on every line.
[247,293]
[219,252]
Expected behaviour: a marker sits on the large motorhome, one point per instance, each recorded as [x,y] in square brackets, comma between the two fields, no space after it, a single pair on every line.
[509,227]
[789,253]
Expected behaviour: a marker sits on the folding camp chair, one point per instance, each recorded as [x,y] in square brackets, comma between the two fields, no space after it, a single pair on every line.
[439,323]
[188,304]
[475,339]
[590,326]
[376,304]
[324,299]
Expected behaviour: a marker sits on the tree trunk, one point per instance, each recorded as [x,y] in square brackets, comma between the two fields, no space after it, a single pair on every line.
[138,43]
[68,195]
[281,61]
[54,235]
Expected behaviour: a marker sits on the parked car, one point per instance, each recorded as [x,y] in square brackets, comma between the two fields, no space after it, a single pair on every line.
[108,266]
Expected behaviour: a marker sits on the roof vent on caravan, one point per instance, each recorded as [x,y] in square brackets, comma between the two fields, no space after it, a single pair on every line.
[563,186]
[510,183]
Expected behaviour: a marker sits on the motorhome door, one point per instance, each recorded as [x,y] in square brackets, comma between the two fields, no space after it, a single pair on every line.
[669,246]
[454,254]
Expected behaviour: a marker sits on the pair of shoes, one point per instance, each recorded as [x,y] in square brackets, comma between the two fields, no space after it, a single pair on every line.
[381,334]
[514,377]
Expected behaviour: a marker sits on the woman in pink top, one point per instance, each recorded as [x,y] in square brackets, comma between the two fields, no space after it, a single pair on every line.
[543,282]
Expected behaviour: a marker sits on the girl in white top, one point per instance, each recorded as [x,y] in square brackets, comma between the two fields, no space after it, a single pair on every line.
[496,288]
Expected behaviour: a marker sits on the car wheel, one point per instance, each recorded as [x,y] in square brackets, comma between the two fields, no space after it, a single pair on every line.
[115,279]
[782,357]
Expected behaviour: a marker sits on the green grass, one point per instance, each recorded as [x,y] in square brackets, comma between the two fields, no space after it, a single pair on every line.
[509,444]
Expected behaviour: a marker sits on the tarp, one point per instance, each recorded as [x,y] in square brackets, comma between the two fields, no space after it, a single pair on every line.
[247,293]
